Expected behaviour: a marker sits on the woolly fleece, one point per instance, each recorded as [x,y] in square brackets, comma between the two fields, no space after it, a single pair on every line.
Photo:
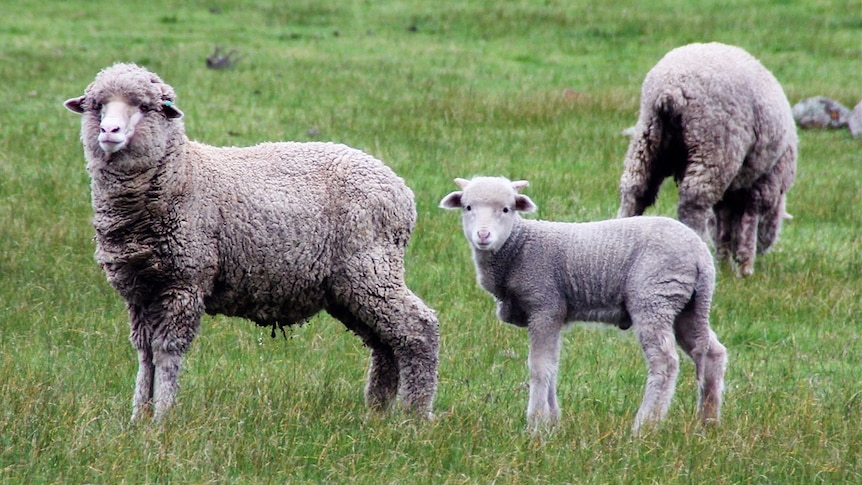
[273,233]
[717,121]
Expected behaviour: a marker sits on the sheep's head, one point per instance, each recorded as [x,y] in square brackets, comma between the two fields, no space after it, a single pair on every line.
[118,103]
[489,208]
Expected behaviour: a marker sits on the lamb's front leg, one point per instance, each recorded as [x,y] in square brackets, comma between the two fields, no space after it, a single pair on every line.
[544,361]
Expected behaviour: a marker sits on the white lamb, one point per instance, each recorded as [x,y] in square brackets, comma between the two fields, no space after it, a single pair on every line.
[273,233]
[650,273]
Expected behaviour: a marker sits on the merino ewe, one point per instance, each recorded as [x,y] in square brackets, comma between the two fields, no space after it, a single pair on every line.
[652,274]
[273,233]
[717,121]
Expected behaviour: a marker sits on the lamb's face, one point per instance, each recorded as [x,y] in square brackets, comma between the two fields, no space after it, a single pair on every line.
[117,105]
[489,209]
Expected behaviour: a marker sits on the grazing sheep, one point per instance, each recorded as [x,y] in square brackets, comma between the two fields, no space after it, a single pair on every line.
[717,121]
[652,274]
[273,233]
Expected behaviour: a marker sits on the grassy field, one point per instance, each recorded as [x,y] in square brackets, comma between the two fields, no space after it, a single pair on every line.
[532,90]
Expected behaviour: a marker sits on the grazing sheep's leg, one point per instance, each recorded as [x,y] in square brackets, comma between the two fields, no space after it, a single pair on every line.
[705,180]
[543,361]
[769,225]
[745,237]
[657,341]
[723,235]
[381,388]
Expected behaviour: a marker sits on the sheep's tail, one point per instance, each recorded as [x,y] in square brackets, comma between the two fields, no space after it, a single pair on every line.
[654,153]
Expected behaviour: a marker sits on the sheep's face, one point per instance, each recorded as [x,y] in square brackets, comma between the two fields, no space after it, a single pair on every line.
[123,100]
[489,208]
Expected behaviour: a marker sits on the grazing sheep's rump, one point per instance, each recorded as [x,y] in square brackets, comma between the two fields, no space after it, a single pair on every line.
[273,233]
[651,274]
[717,121]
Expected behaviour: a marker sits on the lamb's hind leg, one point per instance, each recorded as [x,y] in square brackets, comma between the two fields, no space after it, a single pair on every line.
[709,355]
[657,341]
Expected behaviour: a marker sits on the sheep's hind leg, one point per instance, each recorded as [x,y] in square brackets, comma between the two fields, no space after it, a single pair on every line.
[381,388]
[401,321]
[745,235]
[657,341]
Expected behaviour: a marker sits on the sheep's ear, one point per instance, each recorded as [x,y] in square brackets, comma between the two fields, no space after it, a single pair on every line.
[519,184]
[463,183]
[75,105]
[452,201]
[524,204]
[171,110]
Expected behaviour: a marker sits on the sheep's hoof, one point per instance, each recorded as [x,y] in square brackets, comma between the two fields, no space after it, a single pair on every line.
[744,270]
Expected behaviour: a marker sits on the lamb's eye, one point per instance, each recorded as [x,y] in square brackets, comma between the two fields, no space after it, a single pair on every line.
[505,210]
[145,108]
[468,208]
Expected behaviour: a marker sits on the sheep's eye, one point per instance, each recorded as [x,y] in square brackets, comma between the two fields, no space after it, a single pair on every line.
[505,210]
[468,208]
[145,108]
[97,106]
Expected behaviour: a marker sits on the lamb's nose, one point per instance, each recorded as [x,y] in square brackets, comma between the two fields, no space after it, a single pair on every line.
[483,235]
[109,128]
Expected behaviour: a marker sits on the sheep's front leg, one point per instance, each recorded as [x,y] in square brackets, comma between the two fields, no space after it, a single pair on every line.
[140,336]
[178,319]
[544,361]
[142,399]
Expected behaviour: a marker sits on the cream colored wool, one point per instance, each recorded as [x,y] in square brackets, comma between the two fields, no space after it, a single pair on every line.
[273,233]
[717,121]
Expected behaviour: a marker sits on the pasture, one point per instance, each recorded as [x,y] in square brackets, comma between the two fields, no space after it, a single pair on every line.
[536,90]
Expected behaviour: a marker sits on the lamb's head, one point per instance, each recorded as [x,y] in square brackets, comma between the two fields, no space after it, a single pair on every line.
[489,208]
[121,105]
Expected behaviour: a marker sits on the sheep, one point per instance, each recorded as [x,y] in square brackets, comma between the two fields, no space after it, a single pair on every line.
[273,233]
[651,274]
[717,121]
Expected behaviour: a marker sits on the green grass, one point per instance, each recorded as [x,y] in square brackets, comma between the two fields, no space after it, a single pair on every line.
[437,91]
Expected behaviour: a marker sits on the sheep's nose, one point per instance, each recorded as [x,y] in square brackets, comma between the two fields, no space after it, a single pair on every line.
[483,235]
[112,128]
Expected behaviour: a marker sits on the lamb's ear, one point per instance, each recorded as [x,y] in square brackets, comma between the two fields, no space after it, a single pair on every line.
[75,105]
[452,201]
[171,110]
[519,184]
[524,204]
[463,183]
